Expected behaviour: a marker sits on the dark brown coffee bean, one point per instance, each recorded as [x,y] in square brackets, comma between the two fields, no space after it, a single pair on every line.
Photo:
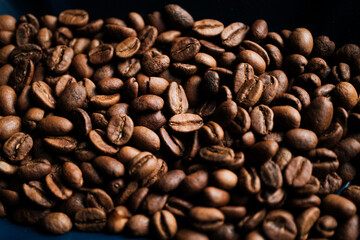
[324,161]
[206,219]
[170,181]
[109,166]
[98,198]
[178,17]
[326,226]
[142,165]
[18,146]
[338,206]
[301,41]
[60,59]
[147,103]
[129,67]
[217,155]
[250,93]
[286,117]
[138,225]
[90,220]
[117,219]
[270,174]
[60,144]
[101,54]
[345,95]
[128,47]
[146,139]
[165,224]
[55,125]
[35,192]
[234,34]
[249,180]
[224,179]
[186,122]
[25,33]
[104,101]
[298,172]
[173,144]
[98,141]
[262,119]
[212,133]
[279,224]
[57,223]
[215,197]
[253,220]
[8,98]
[254,59]
[349,229]
[323,46]
[228,111]
[153,62]
[34,169]
[74,17]
[208,27]
[22,75]
[347,149]
[184,49]
[306,220]
[120,129]
[72,175]
[262,151]
[42,94]
[301,139]
[54,184]
[352,193]
[9,125]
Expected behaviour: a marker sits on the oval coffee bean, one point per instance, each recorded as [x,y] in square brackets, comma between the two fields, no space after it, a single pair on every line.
[185,122]
[338,206]
[74,17]
[90,220]
[234,34]
[57,223]
[298,172]
[184,49]
[217,155]
[262,119]
[206,219]
[109,166]
[318,115]
[34,169]
[165,224]
[208,27]
[176,98]
[146,139]
[120,129]
[55,125]
[301,139]
[279,224]
[18,146]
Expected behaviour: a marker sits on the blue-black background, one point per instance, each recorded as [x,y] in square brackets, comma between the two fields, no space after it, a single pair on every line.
[339,19]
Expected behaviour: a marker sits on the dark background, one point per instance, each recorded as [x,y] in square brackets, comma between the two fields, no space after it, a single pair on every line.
[339,19]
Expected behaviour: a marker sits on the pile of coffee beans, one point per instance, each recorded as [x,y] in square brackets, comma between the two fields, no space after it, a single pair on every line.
[166,127]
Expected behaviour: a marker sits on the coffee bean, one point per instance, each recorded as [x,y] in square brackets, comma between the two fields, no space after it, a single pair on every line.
[301,139]
[138,225]
[184,49]
[18,146]
[164,224]
[9,125]
[185,122]
[35,192]
[206,219]
[298,171]
[117,219]
[301,41]
[120,129]
[178,17]
[306,220]
[97,140]
[326,226]
[279,223]
[74,18]
[34,169]
[57,223]
[262,119]
[217,155]
[338,206]
[250,93]
[60,59]
[54,184]
[208,27]
[90,219]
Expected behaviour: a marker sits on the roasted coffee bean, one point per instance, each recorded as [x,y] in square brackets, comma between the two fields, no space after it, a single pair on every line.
[60,59]
[270,174]
[147,103]
[217,155]
[176,98]
[55,125]
[249,180]
[153,62]
[90,219]
[250,93]
[34,169]
[184,49]
[262,151]
[262,119]
[306,220]
[43,95]
[298,172]
[101,54]
[206,219]
[97,140]
[338,206]
[18,146]
[173,144]
[178,17]
[138,225]
[109,166]
[279,223]
[186,122]
[165,224]
[60,144]
[349,229]
[117,219]
[74,18]
[57,223]
[120,129]
[301,139]
[36,193]
[55,185]
[326,226]
[252,221]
